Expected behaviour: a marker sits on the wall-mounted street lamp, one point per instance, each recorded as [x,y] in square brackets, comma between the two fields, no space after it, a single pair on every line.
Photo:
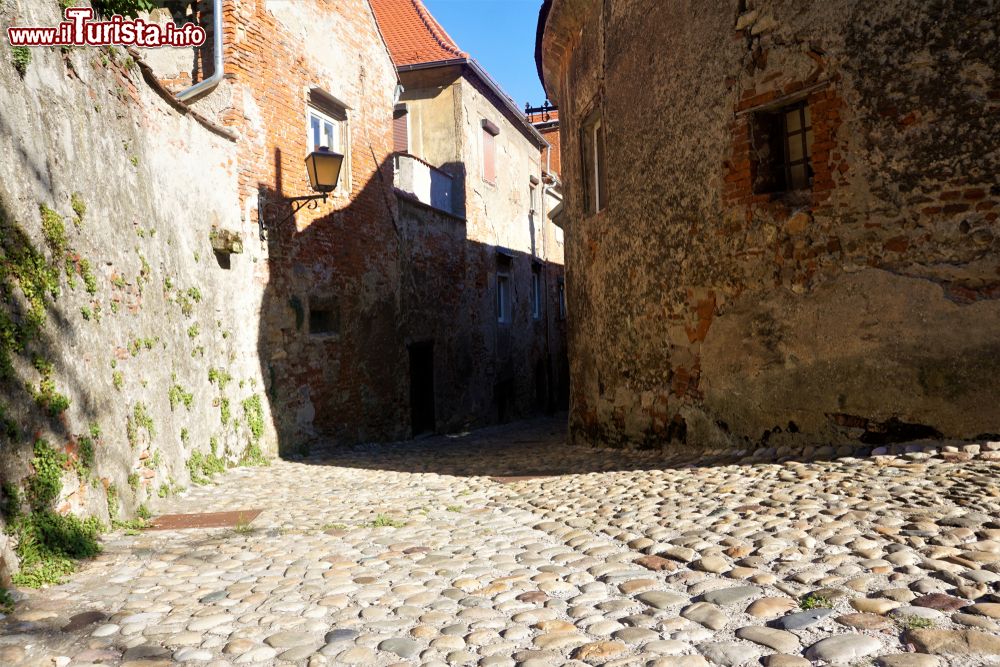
[323,167]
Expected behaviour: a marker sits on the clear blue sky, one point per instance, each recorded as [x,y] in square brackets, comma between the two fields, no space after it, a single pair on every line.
[500,34]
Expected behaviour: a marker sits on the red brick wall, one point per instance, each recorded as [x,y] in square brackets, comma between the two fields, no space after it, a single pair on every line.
[352,385]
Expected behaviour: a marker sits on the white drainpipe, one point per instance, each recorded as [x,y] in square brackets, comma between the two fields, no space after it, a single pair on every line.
[212,81]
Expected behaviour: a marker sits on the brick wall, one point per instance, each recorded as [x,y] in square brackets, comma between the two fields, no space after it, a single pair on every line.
[350,385]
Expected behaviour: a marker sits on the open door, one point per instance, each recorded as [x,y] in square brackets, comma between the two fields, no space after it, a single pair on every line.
[422,416]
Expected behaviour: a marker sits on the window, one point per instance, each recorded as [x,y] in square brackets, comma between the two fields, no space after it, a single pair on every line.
[781,144]
[324,316]
[594,170]
[490,132]
[327,126]
[533,199]
[536,292]
[504,305]
[401,129]
[561,286]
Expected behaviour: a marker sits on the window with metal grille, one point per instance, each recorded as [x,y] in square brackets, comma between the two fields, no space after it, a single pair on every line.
[781,144]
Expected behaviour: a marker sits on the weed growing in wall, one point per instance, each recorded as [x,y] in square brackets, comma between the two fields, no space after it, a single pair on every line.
[79,207]
[177,395]
[20,58]
[47,544]
[219,377]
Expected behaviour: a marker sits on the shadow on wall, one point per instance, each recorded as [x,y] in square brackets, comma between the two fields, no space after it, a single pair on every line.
[330,343]
[30,356]
[379,323]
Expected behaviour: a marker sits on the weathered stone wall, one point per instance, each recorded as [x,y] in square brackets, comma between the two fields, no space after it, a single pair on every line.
[484,370]
[348,384]
[862,310]
[144,356]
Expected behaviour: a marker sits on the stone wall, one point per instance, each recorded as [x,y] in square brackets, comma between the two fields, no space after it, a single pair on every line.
[484,370]
[708,312]
[128,344]
[348,384]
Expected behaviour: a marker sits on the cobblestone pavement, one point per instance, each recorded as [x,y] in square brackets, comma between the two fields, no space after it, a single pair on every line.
[611,558]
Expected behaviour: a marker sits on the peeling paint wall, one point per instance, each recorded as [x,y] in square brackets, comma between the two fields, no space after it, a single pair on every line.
[106,184]
[709,313]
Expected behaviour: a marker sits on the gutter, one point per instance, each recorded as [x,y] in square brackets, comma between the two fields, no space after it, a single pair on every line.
[494,87]
[543,19]
[217,71]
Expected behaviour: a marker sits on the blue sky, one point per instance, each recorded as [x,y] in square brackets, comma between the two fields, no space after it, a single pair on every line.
[500,34]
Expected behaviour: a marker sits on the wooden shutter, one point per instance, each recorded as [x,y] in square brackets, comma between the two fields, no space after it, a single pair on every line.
[489,157]
[400,132]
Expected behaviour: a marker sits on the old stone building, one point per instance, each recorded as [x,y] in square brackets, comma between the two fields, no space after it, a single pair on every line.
[781,219]
[484,266]
[165,311]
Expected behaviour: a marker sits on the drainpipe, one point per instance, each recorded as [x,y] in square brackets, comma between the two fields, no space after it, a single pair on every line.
[212,81]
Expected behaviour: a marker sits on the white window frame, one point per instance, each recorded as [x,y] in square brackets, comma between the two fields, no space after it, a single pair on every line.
[533,207]
[536,294]
[504,300]
[594,141]
[342,127]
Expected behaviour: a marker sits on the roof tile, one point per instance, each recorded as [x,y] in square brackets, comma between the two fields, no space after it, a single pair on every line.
[412,34]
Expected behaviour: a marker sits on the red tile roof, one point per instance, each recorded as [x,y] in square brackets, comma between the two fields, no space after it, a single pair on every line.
[412,34]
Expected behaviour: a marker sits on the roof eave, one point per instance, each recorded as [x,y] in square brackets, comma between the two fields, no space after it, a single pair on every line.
[494,87]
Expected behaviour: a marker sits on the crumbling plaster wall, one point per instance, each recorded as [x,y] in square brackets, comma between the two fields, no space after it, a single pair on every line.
[348,384]
[143,308]
[706,315]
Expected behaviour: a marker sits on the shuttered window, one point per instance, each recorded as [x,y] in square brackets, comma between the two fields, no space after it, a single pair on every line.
[400,131]
[489,157]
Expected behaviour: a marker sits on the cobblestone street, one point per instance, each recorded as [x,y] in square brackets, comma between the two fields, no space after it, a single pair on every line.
[505,547]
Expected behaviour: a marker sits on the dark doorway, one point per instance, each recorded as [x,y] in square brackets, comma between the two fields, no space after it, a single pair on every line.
[422,388]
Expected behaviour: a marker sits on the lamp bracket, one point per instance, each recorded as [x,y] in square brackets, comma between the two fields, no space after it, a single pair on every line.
[298,203]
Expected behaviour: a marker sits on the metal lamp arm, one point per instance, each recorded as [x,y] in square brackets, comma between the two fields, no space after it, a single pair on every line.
[298,203]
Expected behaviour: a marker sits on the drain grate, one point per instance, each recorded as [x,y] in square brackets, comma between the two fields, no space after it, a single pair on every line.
[511,479]
[204,520]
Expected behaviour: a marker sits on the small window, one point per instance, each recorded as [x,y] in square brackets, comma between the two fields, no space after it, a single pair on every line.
[328,126]
[781,145]
[533,199]
[561,287]
[504,305]
[401,129]
[490,132]
[595,172]
[324,317]
[536,292]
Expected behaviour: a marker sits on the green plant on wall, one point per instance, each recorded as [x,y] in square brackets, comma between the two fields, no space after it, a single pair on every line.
[177,395]
[20,58]
[47,544]
[79,207]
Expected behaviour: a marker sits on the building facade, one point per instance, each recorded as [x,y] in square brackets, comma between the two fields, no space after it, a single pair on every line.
[483,260]
[781,220]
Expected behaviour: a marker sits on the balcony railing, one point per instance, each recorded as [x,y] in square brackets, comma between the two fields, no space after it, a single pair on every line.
[428,185]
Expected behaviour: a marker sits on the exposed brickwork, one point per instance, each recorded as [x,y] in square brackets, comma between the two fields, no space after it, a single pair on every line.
[351,385]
